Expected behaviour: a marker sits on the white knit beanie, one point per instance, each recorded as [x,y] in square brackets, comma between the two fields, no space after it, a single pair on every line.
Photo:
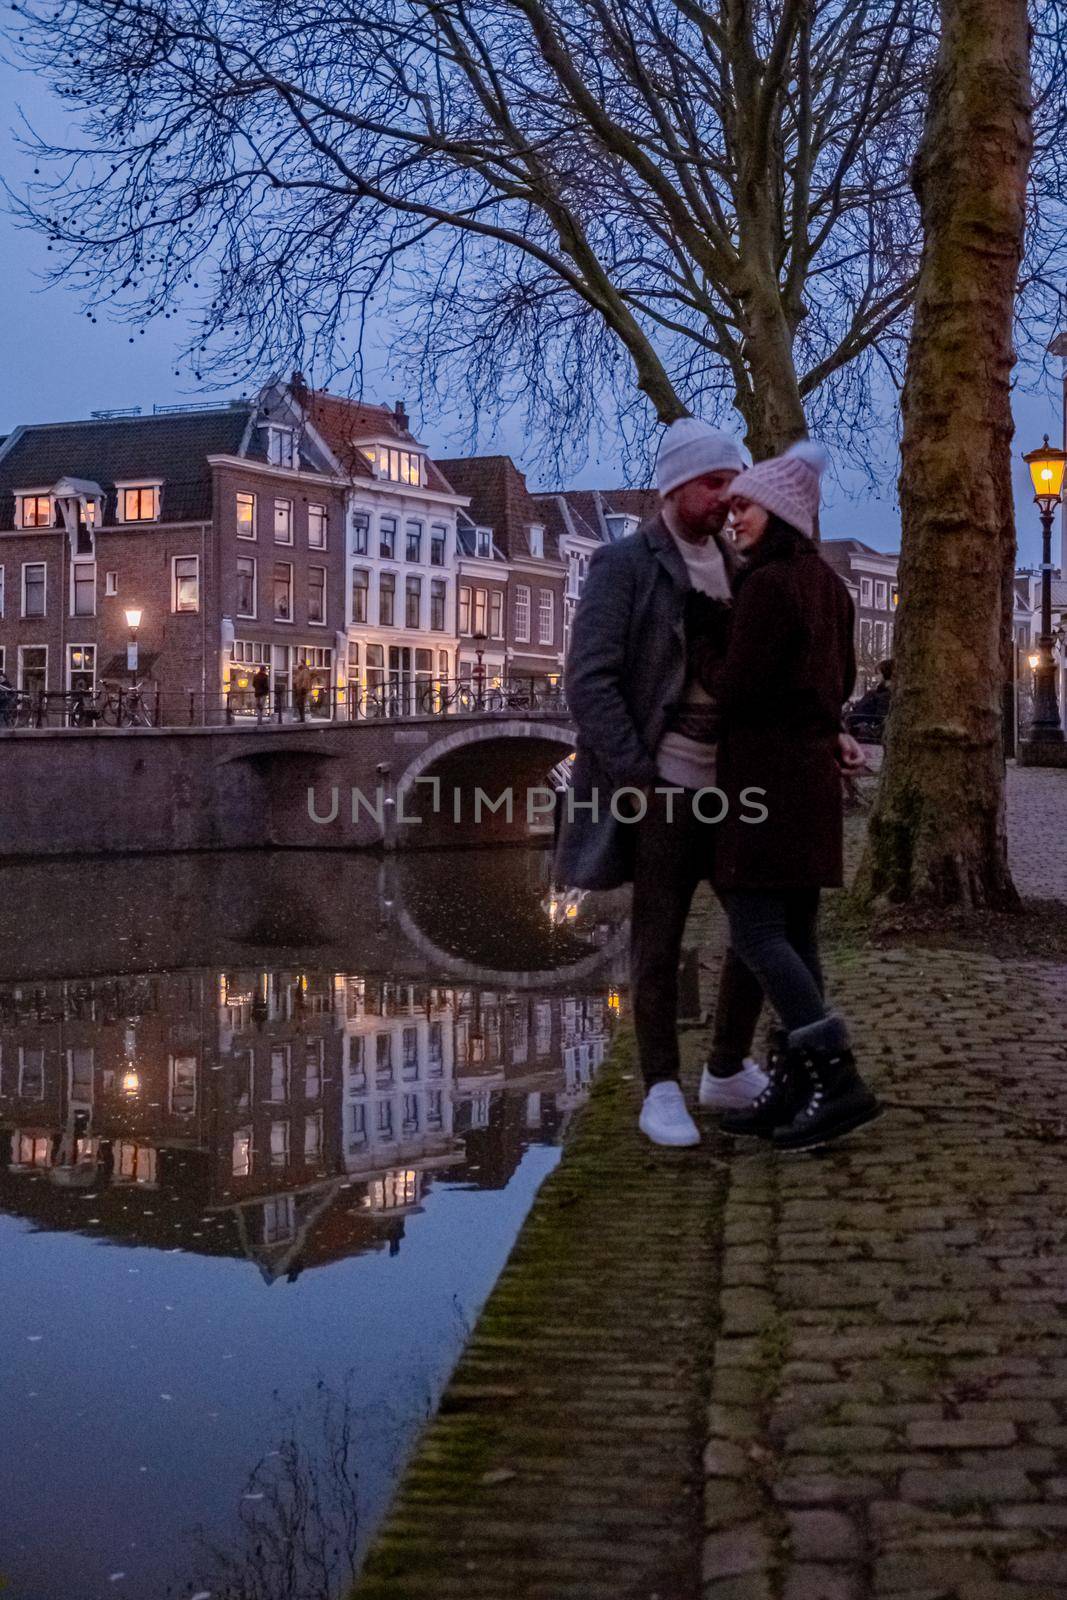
[690,448]
[787,486]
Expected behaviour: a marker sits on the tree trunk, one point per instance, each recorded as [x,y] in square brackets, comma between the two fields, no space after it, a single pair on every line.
[937,834]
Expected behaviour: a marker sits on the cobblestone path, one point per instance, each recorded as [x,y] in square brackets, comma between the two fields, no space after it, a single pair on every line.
[889,1403]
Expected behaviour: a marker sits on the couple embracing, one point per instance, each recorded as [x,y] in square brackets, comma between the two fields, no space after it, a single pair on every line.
[707,679]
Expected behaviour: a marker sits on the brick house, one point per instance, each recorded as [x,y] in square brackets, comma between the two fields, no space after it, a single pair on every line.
[526,532]
[223,527]
[871,578]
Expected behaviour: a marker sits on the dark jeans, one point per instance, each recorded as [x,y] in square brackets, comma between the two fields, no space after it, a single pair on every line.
[671,858]
[775,934]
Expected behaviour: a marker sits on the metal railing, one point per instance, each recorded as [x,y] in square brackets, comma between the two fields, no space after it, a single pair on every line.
[119,705]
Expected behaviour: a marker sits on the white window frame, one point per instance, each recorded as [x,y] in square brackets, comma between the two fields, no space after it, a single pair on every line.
[71,669]
[364,590]
[280,501]
[74,567]
[537,540]
[881,595]
[523,597]
[35,616]
[385,578]
[183,611]
[361,525]
[867,592]
[134,486]
[288,621]
[323,517]
[239,495]
[254,613]
[483,543]
[439,535]
[282,447]
[111,584]
[412,578]
[22,650]
[546,614]
[21,496]
[322,621]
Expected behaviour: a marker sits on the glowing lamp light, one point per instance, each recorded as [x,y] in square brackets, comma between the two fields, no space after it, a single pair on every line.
[131,1082]
[1033,661]
[133,618]
[1046,472]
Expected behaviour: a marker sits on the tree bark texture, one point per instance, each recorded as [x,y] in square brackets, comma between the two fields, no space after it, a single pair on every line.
[937,834]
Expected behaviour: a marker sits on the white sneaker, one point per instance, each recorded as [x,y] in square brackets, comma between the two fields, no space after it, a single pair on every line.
[664,1118]
[732,1094]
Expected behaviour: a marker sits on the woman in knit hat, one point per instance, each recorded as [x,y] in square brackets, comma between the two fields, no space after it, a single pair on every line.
[789,668]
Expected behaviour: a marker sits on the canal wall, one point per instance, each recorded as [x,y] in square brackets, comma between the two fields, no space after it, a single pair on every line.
[91,792]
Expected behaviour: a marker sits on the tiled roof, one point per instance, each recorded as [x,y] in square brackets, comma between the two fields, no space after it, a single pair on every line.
[342,422]
[174,448]
[500,500]
[837,551]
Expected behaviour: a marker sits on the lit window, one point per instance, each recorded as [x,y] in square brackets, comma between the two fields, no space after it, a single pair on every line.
[283,522]
[522,614]
[246,586]
[139,505]
[546,620]
[401,466]
[317,527]
[317,595]
[246,516]
[83,589]
[480,612]
[360,587]
[34,584]
[242,1153]
[283,591]
[36,511]
[186,584]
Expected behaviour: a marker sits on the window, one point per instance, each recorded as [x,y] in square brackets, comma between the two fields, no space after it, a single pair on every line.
[81,666]
[386,599]
[360,585]
[246,516]
[522,614]
[34,583]
[283,522]
[317,595]
[279,1074]
[387,538]
[281,448]
[31,1073]
[401,466]
[483,543]
[481,614]
[360,532]
[33,668]
[317,527]
[283,591]
[83,589]
[464,609]
[111,584]
[438,535]
[313,1137]
[36,511]
[546,617]
[314,1055]
[279,1149]
[438,592]
[894,597]
[246,586]
[413,603]
[241,1165]
[881,595]
[496,614]
[880,640]
[139,504]
[413,538]
[537,541]
[183,1086]
[866,637]
[383,1059]
[185,587]
[866,591]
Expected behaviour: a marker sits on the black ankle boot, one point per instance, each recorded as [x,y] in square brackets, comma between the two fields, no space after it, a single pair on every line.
[837,1102]
[788,1087]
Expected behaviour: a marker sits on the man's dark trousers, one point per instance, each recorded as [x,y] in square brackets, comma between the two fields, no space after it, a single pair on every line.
[673,852]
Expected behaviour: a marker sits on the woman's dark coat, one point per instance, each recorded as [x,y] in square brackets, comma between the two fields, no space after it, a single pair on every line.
[789,668]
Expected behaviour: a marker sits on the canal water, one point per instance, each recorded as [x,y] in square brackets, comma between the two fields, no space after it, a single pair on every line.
[269,1126]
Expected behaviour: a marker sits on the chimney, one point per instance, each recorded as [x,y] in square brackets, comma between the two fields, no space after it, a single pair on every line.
[400,414]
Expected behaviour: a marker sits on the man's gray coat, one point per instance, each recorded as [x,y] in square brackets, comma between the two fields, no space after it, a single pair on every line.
[625,667]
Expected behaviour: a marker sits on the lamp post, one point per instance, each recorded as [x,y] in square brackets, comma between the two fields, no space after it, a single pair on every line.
[1046,471]
[479,650]
[133,622]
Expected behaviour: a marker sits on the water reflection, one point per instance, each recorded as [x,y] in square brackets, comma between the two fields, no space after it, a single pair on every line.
[296,1118]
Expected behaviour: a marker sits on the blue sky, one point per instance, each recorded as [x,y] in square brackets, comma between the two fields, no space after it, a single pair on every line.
[60,366]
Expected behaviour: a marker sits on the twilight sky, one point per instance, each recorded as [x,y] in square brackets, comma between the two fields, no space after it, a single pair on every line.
[59,367]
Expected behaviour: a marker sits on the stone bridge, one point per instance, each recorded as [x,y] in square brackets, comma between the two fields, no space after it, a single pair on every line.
[478,778]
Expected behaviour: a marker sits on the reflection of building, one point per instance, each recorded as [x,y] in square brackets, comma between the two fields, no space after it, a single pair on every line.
[291,1117]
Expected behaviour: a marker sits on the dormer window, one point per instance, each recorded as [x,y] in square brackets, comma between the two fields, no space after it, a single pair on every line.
[139,502]
[281,447]
[35,511]
[483,543]
[537,541]
[621,526]
[399,466]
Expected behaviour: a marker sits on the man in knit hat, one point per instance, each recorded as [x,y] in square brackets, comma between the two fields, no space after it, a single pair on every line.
[646,747]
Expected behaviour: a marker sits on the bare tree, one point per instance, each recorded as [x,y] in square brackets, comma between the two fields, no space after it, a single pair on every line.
[650,206]
[937,833]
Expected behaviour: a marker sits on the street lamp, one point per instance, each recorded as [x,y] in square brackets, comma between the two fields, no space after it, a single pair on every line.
[479,650]
[1046,470]
[133,622]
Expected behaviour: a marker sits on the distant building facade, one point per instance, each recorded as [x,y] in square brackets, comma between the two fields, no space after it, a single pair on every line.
[871,578]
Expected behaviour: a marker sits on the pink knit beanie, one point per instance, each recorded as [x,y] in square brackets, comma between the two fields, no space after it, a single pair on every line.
[787,485]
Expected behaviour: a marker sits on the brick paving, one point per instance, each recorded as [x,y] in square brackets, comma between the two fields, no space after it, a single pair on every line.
[868,1345]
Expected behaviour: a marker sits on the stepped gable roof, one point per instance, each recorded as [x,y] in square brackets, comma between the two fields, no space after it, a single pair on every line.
[173,447]
[500,500]
[342,423]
